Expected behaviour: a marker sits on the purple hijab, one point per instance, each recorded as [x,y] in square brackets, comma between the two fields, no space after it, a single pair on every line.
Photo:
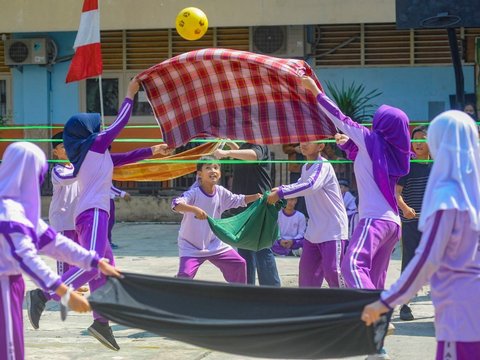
[388,145]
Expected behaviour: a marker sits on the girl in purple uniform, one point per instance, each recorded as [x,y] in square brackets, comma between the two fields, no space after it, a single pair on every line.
[87,150]
[23,235]
[449,252]
[381,155]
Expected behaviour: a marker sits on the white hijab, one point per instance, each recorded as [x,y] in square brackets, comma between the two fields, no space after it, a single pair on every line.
[22,167]
[454,181]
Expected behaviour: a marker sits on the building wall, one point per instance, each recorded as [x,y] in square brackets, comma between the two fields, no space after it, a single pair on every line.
[40,95]
[409,88]
[23,15]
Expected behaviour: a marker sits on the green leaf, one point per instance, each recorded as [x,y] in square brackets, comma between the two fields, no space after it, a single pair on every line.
[354,100]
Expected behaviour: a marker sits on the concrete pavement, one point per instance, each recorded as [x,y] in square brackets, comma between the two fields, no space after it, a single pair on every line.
[151,248]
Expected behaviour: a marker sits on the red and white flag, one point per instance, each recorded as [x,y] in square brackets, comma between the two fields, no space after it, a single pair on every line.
[87,61]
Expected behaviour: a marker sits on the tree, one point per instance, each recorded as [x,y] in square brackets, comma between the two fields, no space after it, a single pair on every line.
[354,100]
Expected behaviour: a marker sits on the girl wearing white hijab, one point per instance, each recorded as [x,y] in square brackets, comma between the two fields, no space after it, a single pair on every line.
[449,253]
[23,235]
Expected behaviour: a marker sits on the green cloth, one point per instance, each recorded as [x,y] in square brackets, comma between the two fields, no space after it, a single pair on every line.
[255,229]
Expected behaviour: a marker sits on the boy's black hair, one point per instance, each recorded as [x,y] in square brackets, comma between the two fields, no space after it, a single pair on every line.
[58,136]
[207,159]
[419,129]
[344,182]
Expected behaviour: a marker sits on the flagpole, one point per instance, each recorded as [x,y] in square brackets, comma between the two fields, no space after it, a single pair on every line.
[102,114]
[101,101]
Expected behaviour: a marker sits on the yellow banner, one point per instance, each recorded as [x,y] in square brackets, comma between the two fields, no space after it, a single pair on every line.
[167,171]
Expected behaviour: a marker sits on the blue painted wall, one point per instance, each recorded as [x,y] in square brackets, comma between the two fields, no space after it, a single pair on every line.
[409,88]
[40,95]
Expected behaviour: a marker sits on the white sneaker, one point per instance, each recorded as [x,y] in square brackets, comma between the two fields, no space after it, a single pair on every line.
[380,356]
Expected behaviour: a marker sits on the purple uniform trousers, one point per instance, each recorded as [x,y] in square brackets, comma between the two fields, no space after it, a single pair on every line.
[12,291]
[455,350]
[91,226]
[368,254]
[321,261]
[230,263]
[63,267]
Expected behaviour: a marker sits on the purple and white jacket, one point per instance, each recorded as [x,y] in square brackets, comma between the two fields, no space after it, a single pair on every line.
[95,175]
[21,245]
[323,198]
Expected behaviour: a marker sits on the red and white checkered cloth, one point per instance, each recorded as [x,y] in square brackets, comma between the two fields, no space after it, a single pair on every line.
[234,94]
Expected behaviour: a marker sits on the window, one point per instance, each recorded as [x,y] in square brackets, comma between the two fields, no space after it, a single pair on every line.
[5,96]
[114,88]
[110,90]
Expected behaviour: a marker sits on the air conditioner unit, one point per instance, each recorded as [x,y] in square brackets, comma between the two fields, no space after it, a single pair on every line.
[281,41]
[39,51]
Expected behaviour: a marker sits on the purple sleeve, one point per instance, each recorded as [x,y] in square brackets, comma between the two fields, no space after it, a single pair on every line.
[21,242]
[106,137]
[427,259]
[353,130]
[350,148]
[297,244]
[188,197]
[62,248]
[230,200]
[302,188]
[130,157]
[62,176]
[115,191]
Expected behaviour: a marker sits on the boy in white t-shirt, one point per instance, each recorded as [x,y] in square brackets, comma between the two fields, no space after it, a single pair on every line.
[196,242]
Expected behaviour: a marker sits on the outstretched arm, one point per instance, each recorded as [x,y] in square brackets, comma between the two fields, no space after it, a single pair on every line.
[120,159]
[352,129]
[106,137]
[243,154]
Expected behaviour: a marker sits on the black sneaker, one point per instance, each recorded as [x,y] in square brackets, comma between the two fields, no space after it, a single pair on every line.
[36,301]
[103,333]
[406,313]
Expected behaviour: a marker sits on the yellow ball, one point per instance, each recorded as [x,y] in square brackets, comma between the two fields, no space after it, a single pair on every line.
[191,23]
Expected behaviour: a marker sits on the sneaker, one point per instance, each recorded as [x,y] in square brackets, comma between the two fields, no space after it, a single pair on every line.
[103,333]
[382,355]
[406,313]
[36,302]
[114,246]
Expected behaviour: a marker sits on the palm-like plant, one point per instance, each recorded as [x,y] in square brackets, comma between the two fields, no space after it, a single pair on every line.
[354,100]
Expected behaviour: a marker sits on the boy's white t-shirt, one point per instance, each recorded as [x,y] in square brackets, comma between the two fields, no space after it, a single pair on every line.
[195,238]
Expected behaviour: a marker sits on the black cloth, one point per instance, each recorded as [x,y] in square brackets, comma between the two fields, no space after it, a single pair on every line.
[414,184]
[270,322]
[251,178]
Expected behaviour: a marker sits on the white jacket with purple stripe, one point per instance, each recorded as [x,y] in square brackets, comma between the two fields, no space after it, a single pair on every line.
[20,246]
[319,185]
